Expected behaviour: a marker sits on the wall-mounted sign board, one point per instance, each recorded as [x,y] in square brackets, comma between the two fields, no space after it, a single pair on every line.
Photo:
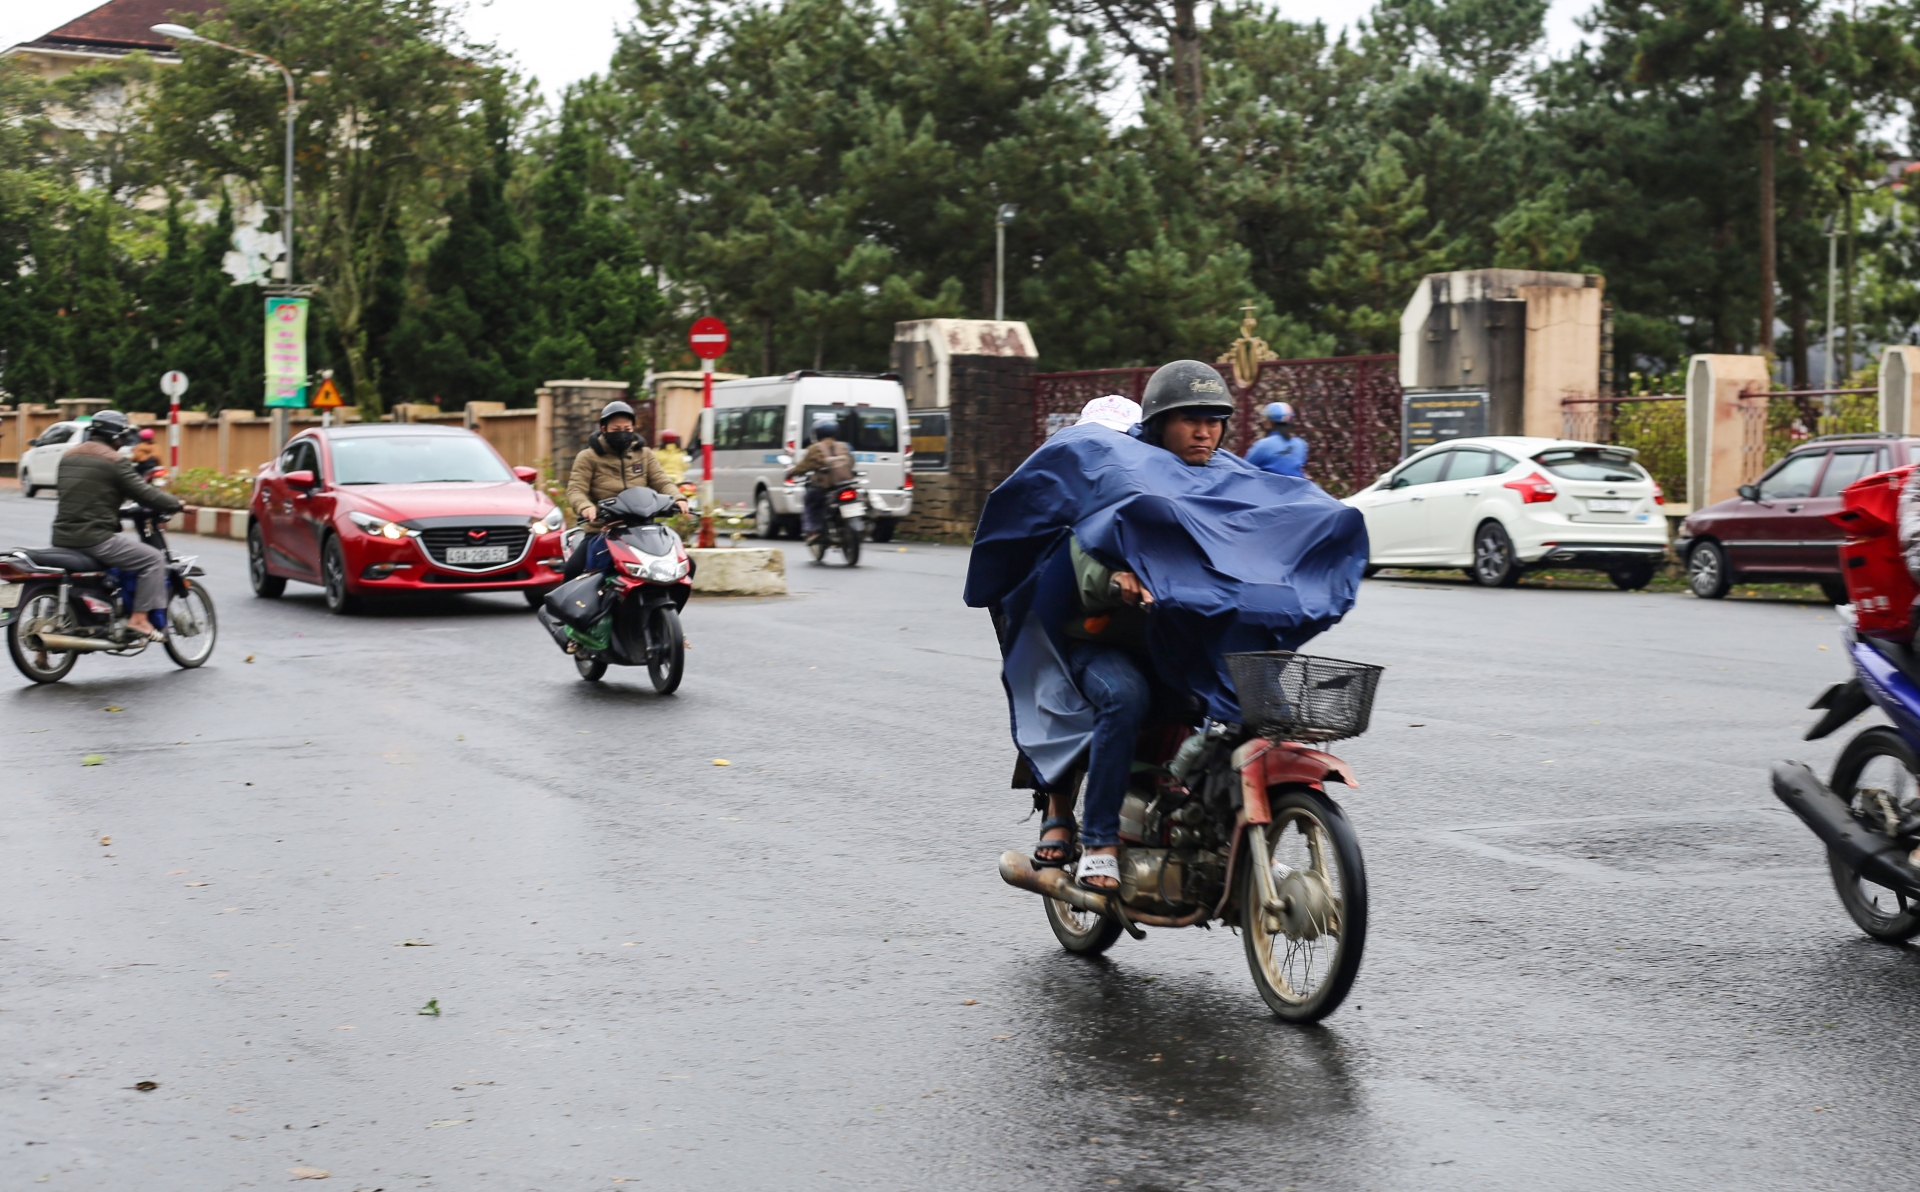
[1433,416]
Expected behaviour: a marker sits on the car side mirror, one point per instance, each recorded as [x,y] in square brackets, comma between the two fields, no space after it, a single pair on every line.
[527,475]
[1749,492]
[302,480]
[1400,482]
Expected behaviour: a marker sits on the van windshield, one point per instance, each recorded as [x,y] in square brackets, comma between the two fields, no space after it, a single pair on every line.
[863,428]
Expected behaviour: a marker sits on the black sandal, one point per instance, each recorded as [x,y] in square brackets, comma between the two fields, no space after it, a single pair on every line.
[1065,846]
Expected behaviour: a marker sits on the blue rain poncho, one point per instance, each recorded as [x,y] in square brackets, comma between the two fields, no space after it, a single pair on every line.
[1237,559]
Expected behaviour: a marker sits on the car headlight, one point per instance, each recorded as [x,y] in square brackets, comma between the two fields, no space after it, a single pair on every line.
[378,527]
[552,521]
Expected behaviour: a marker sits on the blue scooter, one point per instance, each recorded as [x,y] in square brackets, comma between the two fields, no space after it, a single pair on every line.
[1868,812]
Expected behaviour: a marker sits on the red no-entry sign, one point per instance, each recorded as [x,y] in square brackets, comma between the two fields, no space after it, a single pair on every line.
[708,338]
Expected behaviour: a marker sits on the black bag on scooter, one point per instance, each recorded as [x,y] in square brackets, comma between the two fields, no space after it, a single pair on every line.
[580,602]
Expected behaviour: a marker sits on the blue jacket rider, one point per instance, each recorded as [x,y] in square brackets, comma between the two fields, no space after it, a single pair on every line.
[1280,450]
[1185,411]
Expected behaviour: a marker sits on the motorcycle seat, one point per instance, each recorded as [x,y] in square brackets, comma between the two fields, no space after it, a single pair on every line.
[65,558]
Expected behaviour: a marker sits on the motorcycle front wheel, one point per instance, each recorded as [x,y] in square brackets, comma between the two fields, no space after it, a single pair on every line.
[1304,947]
[667,659]
[1878,760]
[191,627]
[41,609]
[591,669]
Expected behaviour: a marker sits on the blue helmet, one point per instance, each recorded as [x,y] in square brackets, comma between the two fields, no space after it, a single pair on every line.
[1278,411]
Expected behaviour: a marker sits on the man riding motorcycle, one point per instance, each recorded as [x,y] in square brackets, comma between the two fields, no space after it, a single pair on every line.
[613,461]
[827,464]
[1185,411]
[93,481]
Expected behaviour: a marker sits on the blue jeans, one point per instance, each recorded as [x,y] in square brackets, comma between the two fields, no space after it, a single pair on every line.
[1113,684]
[813,510]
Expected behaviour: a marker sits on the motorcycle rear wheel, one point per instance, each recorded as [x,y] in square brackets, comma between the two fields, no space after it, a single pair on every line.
[1081,932]
[1877,758]
[40,606]
[849,545]
[1314,856]
[667,661]
[591,669]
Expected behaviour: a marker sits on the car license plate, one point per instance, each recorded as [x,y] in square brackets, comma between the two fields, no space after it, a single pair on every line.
[477,554]
[853,509]
[1609,505]
[10,595]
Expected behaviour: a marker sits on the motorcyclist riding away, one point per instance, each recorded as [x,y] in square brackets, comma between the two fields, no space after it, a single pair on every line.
[1281,450]
[613,461]
[827,464]
[93,481]
[1185,411]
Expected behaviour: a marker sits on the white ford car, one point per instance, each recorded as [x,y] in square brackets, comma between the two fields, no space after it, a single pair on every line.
[1500,506]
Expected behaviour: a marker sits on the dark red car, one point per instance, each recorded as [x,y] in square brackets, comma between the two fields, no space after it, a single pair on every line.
[363,510]
[1776,530]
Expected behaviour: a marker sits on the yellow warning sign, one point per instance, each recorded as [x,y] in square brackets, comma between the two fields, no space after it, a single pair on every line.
[328,398]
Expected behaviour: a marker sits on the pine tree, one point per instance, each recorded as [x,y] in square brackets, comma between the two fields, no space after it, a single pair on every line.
[1383,244]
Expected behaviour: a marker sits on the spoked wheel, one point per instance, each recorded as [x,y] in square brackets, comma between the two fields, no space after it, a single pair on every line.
[1707,571]
[1877,766]
[1494,564]
[591,669]
[667,659]
[333,577]
[266,585]
[1304,933]
[40,611]
[191,627]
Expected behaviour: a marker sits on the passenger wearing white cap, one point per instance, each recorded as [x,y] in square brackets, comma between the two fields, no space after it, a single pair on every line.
[1280,450]
[1113,411]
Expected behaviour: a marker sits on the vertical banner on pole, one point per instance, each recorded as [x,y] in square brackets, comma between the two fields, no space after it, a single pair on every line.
[287,352]
[708,339]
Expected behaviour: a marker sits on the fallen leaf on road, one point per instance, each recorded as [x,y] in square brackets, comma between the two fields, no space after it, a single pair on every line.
[343,1028]
[106,840]
[93,759]
[220,974]
[113,708]
[449,1122]
[721,761]
[969,1002]
[196,883]
[431,1009]
[460,736]
[628,944]
[1001,1038]
[412,944]
[177,872]
[249,658]
[147,1086]
[307,1173]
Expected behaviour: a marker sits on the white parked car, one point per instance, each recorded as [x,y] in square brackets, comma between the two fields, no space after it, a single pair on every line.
[1503,505]
[40,462]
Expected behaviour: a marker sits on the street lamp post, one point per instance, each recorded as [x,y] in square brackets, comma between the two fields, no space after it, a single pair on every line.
[182,33]
[1000,221]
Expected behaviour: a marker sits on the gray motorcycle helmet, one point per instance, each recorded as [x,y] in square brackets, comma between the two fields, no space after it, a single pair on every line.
[1185,384]
[110,427]
[615,408]
[826,426]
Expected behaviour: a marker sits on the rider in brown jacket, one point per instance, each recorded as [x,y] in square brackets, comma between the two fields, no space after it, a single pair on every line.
[613,461]
[831,464]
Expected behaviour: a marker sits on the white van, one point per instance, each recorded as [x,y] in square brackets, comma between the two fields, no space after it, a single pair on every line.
[762,420]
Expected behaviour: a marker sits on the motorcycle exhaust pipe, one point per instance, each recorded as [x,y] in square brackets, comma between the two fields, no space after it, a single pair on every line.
[61,643]
[1016,869]
[1870,854]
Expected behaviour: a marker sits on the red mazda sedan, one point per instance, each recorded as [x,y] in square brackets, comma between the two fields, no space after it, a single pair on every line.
[362,510]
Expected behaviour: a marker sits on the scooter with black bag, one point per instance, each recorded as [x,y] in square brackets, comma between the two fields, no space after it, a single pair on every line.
[625,610]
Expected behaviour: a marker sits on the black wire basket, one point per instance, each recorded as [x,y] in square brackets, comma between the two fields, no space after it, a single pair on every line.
[1298,697]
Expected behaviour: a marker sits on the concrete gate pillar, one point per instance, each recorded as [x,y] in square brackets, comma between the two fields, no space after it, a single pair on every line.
[1717,444]
[575,414]
[1900,390]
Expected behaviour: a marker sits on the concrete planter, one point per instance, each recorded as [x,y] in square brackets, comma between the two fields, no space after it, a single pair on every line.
[749,571]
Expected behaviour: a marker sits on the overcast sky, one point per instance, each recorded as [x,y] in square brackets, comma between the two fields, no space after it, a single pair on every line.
[559,41]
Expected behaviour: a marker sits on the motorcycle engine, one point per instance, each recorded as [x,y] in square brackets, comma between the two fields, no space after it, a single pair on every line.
[1171,862]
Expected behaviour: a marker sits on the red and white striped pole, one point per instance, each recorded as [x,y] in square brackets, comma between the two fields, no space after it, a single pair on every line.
[706,453]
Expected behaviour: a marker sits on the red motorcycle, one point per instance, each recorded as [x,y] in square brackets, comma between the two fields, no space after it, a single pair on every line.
[626,610]
[1234,823]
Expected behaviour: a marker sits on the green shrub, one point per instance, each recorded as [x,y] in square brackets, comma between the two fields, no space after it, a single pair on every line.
[209,486]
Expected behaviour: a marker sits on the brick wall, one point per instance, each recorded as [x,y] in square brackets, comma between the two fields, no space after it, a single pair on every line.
[990,403]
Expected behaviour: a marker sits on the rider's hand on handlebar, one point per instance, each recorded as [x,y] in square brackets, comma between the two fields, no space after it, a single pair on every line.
[681,507]
[1132,591]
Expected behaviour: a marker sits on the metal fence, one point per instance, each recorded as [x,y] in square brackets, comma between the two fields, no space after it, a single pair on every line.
[1772,424]
[1346,407]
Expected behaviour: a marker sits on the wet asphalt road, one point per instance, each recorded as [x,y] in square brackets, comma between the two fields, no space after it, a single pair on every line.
[1601,955]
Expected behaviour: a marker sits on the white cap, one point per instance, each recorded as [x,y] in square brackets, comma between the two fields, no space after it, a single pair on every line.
[1113,411]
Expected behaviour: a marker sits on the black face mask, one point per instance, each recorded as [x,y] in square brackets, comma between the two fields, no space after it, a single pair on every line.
[621,441]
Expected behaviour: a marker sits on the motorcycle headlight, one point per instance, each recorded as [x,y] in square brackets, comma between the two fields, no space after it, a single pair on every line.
[661,569]
[378,527]
[552,521]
